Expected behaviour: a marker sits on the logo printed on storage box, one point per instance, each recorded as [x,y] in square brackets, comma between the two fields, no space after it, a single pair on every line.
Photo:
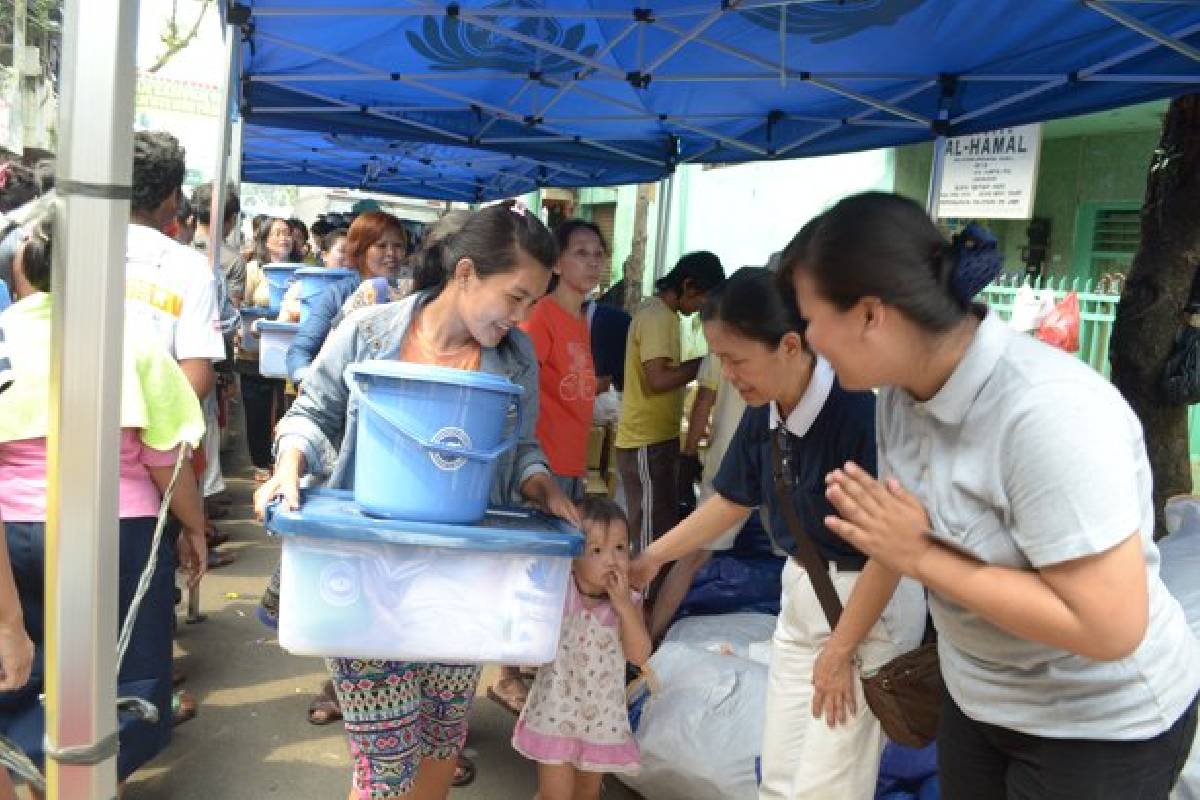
[339,584]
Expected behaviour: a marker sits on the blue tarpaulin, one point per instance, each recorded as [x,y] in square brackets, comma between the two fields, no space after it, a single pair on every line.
[598,92]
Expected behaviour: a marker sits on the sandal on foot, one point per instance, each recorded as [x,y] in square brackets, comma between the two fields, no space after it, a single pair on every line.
[511,700]
[324,708]
[464,772]
[216,558]
[183,706]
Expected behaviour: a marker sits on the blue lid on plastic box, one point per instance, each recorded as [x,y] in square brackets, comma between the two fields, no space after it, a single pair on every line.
[326,272]
[276,325]
[386,368]
[332,514]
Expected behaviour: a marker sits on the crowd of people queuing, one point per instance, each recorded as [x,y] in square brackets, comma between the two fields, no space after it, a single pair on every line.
[969,487]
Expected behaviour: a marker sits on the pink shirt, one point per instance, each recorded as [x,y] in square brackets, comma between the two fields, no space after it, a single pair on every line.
[23,478]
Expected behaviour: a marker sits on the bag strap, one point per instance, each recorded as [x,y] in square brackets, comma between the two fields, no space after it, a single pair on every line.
[806,554]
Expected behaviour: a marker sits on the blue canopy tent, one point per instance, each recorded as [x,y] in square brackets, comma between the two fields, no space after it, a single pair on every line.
[413,169]
[625,93]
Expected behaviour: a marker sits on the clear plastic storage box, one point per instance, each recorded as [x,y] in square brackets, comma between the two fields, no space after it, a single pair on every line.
[358,586]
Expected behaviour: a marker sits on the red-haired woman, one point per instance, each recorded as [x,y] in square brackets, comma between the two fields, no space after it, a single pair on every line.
[375,246]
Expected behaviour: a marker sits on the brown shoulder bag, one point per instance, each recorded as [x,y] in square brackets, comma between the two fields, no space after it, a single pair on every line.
[905,694]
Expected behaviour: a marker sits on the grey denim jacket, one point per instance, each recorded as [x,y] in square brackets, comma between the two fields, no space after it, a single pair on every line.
[323,422]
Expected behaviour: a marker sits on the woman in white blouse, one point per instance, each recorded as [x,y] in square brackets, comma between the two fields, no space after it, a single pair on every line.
[1014,485]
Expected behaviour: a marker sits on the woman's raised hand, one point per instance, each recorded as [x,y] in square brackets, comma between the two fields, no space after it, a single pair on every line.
[283,485]
[882,519]
[643,570]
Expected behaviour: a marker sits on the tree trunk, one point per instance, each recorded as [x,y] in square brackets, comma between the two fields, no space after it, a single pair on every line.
[1150,313]
[635,266]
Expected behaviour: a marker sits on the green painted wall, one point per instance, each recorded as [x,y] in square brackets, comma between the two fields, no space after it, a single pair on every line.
[1103,168]
[912,166]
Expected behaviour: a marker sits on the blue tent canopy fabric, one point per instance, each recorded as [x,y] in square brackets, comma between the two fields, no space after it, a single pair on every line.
[413,169]
[488,95]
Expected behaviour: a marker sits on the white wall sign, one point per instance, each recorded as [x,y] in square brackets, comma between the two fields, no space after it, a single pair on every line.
[990,175]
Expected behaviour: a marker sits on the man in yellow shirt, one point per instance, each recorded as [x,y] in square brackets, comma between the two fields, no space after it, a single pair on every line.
[652,406]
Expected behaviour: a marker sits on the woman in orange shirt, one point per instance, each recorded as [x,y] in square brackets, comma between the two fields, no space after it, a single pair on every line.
[566,377]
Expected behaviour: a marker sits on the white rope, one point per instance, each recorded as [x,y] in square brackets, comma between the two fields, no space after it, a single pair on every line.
[148,573]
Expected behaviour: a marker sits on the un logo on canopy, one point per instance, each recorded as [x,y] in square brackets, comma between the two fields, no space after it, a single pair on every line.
[453,45]
[831,21]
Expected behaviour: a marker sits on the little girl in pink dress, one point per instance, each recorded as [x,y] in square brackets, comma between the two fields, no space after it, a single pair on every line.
[575,724]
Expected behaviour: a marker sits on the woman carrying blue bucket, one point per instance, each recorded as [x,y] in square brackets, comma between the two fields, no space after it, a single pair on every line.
[485,279]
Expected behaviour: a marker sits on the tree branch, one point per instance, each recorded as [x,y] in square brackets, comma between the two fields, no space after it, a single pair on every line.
[175,43]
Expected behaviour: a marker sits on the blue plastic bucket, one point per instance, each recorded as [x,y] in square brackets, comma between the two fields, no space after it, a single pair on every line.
[315,280]
[428,439]
[279,277]
[274,339]
[250,315]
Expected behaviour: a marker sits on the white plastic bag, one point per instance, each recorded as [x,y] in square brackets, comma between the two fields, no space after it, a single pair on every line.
[701,733]
[1030,307]
[606,409]
[1180,571]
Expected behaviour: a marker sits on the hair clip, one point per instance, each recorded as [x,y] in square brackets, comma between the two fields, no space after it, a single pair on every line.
[519,208]
[978,261]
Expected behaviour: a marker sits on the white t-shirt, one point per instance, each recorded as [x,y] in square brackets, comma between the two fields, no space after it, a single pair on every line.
[169,289]
[1028,458]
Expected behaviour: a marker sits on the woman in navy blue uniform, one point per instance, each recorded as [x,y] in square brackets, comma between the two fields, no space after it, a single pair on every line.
[820,740]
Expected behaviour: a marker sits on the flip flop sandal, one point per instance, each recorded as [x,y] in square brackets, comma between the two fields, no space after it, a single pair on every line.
[267,618]
[509,704]
[464,772]
[324,708]
[183,707]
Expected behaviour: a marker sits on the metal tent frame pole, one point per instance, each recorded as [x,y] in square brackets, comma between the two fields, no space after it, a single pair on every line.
[665,196]
[935,176]
[95,165]
[216,220]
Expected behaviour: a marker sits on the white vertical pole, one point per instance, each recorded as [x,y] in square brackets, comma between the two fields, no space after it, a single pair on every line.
[935,176]
[235,153]
[95,158]
[665,196]
[216,223]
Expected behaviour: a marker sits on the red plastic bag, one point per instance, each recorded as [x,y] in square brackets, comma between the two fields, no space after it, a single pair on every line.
[1061,326]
